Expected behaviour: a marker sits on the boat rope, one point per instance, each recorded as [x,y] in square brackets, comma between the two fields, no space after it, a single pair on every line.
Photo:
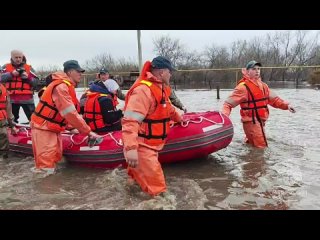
[24,129]
[200,120]
[77,143]
[113,138]
[73,142]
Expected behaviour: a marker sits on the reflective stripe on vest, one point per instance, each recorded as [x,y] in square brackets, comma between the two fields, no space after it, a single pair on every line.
[137,116]
[46,109]
[155,127]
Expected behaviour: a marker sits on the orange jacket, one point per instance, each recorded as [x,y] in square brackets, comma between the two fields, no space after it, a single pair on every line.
[241,95]
[92,110]
[3,103]
[155,126]
[57,107]
[17,85]
[147,108]
[257,104]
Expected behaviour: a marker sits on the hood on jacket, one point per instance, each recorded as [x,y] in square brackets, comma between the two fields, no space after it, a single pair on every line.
[99,87]
[62,76]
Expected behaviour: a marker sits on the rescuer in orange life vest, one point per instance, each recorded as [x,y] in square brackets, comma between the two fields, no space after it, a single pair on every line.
[57,109]
[253,95]
[6,119]
[20,79]
[145,124]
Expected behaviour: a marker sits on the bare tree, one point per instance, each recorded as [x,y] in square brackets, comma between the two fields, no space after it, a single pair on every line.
[100,61]
[305,47]
[124,65]
[170,48]
[217,57]
[191,60]
[238,52]
[43,71]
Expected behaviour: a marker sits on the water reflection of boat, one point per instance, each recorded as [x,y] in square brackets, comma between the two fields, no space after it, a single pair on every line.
[203,133]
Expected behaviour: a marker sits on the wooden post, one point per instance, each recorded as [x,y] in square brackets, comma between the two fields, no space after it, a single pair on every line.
[218,92]
[205,77]
[236,77]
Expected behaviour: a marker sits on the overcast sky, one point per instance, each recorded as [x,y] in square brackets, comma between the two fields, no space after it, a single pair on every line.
[53,47]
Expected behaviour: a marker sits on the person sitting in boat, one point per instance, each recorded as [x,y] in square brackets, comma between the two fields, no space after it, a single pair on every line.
[100,110]
[146,124]
[103,76]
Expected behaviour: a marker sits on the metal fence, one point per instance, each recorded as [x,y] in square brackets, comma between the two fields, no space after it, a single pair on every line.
[285,76]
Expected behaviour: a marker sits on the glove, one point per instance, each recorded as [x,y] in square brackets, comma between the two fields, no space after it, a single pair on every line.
[291,109]
[93,139]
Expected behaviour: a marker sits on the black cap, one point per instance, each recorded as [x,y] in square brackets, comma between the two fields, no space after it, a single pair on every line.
[252,63]
[72,64]
[103,71]
[161,63]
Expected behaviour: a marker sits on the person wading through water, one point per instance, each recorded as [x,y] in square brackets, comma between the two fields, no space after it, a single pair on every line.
[146,124]
[254,96]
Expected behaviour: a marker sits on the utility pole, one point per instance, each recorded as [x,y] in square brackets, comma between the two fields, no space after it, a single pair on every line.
[139,50]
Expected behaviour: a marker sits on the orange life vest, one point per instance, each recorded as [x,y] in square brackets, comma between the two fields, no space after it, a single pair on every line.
[46,109]
[92,110]
[155,127]
[3,103]
[257,104]
[18,85]
[115,100]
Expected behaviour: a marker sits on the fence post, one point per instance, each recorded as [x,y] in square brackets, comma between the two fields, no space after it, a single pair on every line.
[218,92]
[236,77]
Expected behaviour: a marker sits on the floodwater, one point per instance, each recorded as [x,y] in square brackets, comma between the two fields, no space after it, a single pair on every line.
[284,176]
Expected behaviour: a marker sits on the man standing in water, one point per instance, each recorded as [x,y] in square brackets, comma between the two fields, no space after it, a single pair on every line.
[6,119]
[19,79]
[145,124]
[253,95]
[57,108]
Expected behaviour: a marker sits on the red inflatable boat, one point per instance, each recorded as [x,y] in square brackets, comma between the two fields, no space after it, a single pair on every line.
[201,134]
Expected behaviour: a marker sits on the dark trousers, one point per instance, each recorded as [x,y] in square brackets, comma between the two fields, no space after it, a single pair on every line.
[27,108]
[4,142]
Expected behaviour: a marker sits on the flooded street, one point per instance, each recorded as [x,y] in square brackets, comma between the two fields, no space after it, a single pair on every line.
[284,176]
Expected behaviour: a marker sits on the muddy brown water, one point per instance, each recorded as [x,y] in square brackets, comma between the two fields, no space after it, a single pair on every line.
[284,176]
